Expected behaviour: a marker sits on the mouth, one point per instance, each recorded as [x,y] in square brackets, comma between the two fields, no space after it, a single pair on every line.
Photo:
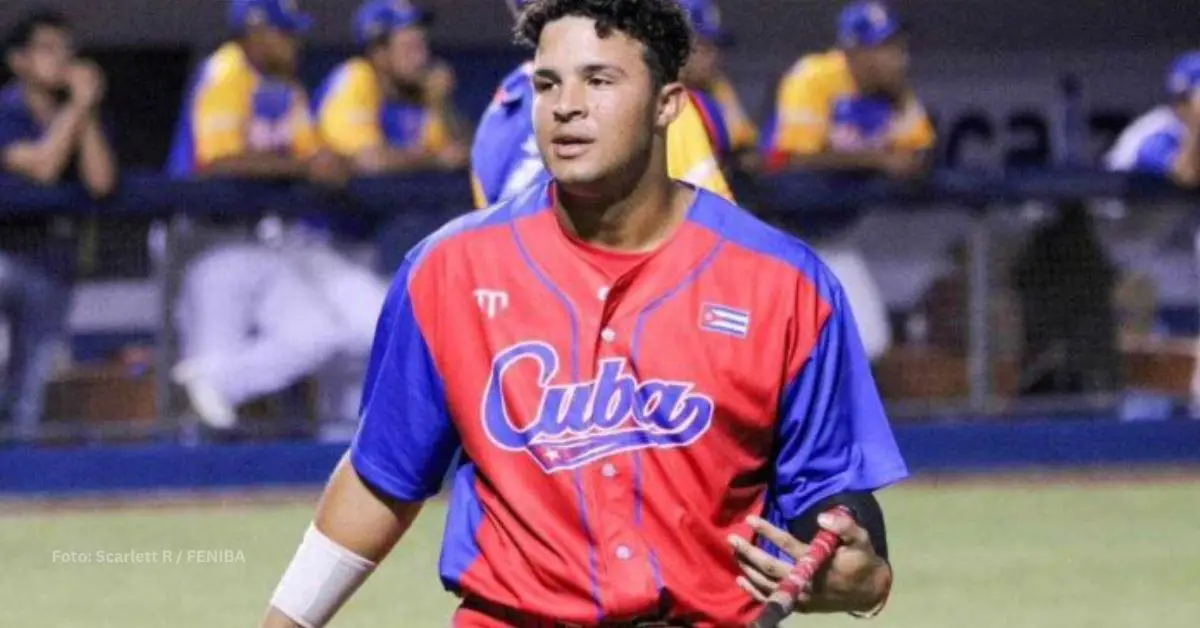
[567,146]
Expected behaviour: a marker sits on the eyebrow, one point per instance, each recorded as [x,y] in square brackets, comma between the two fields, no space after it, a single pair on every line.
[586,70]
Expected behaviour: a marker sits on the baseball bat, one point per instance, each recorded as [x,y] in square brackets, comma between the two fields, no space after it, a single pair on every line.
[820,553]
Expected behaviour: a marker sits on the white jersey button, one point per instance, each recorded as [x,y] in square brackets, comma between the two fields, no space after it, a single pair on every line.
[609,471]
[624,553]
[608,335]
[602,293]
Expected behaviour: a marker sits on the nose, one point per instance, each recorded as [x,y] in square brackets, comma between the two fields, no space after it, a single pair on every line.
[571,103]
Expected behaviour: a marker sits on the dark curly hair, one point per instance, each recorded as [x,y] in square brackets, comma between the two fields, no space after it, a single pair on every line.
[661,26]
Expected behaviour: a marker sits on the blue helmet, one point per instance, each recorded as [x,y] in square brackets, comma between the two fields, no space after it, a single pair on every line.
[378,17]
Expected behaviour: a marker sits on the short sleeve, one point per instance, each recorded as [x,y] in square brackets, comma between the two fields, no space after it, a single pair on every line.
[220,113]
[690,155]
[406,439]
[802,110]
[1157,154]
[834,435]
[348,118]
[305,142]
[914,131]
[742,131]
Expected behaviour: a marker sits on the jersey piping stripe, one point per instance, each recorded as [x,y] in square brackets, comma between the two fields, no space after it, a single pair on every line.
[593,557]
[643,316]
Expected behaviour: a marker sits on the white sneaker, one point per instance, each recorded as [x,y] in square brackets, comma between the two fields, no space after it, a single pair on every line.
[208,402]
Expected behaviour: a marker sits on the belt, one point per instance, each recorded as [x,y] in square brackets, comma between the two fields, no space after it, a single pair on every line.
[521,619]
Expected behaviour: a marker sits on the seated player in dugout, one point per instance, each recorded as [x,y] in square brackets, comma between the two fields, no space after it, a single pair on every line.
[50,123]
[852,108]
[391,109]
[1166,140]
[505,158]
[730,129]
[246,114]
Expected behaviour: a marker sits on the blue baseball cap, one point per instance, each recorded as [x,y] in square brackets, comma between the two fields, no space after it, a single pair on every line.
[281,14]
[867,23]
[1184,76]
[378,17]
[706,21]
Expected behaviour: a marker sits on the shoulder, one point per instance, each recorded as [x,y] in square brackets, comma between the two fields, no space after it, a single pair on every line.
[469,235]
[225,69]
[763,249]
[821,66]
[12,102]
[351,77]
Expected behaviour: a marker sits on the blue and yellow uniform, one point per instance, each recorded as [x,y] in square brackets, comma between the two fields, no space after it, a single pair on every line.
[233,109]
[505,157]
[353,115]
[820,108]
[730,129]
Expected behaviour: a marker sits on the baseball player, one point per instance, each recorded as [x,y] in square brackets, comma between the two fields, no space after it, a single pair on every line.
[505,159]
[1166,142]
[851,109]
[630,367]
[255,318]
[389,109]
[731,130]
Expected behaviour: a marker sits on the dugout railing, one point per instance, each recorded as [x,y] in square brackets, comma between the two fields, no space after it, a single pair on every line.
[151,223]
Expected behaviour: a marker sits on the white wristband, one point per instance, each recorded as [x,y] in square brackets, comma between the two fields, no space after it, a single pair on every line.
[320,578]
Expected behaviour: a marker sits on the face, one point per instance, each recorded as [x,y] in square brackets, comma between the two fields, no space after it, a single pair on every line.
[596,110]
[407,54]
[702,65]
[46,58]
[883,68]
[277,50]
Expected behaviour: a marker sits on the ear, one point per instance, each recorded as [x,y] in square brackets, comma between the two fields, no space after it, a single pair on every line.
[15,61]
[672,98]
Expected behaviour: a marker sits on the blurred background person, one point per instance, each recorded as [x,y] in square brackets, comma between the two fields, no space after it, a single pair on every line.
[850,111]
[50,132]
[1166,142]
[733,134]
[852,108]
[252,321]
[391,109]
[505,158]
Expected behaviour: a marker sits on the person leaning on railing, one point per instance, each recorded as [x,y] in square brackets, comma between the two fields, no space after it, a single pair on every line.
[50,133]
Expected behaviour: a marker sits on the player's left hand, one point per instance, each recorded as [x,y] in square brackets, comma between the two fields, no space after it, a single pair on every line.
[857,580]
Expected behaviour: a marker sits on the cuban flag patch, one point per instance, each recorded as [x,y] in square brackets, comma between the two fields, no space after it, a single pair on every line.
[724,320]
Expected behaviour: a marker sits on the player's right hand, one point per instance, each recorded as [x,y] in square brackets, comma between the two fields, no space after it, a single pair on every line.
[902,165]
[86,83]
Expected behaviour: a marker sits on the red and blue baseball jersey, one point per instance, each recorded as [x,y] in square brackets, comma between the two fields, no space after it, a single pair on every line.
[609,430]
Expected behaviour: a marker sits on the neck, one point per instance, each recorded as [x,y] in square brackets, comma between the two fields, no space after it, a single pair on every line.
[636,217]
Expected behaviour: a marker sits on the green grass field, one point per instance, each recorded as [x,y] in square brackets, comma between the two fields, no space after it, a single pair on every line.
[1005,556]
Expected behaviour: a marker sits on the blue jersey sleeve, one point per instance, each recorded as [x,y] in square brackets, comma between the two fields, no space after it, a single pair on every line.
[1158,153]
[406,440]
[834,435]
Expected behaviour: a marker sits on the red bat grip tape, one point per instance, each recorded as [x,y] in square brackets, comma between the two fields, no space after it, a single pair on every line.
[819,553]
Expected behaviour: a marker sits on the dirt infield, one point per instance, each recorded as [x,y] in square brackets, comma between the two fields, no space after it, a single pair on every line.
[268,497]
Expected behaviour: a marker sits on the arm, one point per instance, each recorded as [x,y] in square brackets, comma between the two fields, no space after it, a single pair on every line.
[403,449]
[363,521]
[255,165]
[97,164]
[44,160]
[1185,169]
[835,445]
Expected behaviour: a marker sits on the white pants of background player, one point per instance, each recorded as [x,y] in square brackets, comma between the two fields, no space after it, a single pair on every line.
[255,319]
[866,300]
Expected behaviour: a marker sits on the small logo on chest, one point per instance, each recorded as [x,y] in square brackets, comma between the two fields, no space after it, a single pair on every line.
[724,320]
[578,423]
[491,302]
